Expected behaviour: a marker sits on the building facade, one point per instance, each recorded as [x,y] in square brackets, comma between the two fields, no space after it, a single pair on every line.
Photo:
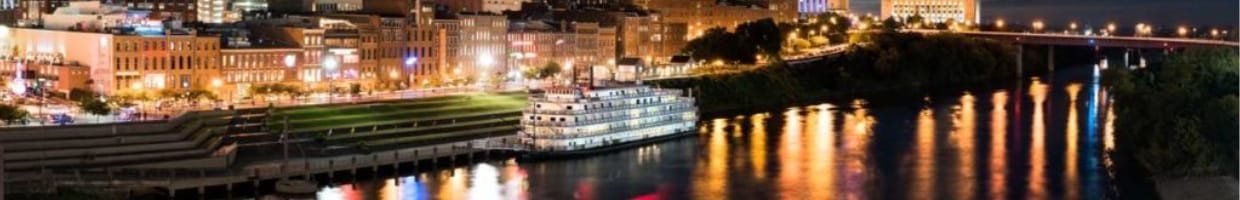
[701,15]
[244,67]
[933,11]
[570,44]
[38,76]
[483,45]
[179,62]
[124,63]
[815,7]
[640,35]
[491,6]
[186,10]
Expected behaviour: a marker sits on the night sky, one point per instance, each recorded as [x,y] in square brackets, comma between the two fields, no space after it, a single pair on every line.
[1098,12]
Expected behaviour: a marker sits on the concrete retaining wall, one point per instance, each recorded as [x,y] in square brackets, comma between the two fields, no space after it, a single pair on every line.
[15,134]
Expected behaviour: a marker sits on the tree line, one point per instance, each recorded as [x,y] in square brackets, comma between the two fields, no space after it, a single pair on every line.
[1179,118]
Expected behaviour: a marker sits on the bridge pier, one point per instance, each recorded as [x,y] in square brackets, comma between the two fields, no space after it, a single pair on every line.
[1050,58]
[1020,60]
[1126,65]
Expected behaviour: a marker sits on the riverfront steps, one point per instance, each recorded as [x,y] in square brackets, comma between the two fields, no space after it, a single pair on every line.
[195,135]
[255,174]
[246,143]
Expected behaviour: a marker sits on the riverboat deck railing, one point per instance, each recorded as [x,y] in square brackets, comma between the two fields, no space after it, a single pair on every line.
[662,112]
[689,101]
[661,92]
[555,135]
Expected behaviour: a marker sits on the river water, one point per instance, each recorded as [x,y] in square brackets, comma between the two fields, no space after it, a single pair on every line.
[1043,138]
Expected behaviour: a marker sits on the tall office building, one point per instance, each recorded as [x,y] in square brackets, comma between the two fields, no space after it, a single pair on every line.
[211,11]
[814,7]
[933,11]
[175,9]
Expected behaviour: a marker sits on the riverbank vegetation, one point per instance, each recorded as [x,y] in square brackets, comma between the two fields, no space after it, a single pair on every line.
[761,38]
[889,62]
[1179,118]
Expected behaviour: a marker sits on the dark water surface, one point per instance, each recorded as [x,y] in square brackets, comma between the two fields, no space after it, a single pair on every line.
[1043,139]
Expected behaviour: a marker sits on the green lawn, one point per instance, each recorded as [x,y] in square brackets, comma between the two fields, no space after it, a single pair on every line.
[366,115]
[396,133]
[387,122]
[346,109]
[440,113]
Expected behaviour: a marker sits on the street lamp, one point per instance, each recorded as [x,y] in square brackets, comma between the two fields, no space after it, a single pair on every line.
[216,84]
[1037,25]
[411,62]
[1183,31]
[1111,28]
[1140,28]
[330,66]
[290,60]
[999,23]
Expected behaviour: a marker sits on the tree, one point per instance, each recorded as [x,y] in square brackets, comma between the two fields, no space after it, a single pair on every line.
[10,113]
[94,106]
[1180,118]
[915,20]
[76,94]
[197,94]
[890,24]
[763,34]
[549,70]
[719,44]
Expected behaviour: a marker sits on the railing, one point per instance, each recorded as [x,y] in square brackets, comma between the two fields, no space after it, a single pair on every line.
[687,100]
[643,114]
[188,178]
[653,92]
[610,130]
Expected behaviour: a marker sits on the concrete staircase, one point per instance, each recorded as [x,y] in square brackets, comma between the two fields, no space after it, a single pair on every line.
[196,137]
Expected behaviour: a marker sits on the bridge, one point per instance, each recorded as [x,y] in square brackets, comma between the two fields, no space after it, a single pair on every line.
[1091,40]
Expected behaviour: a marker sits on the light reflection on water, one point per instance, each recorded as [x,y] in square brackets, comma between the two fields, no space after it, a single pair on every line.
[1037,147]
[943,147]
[998,145]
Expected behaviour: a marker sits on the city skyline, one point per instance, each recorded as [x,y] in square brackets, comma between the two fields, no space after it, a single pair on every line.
[1160,12]
[618,99]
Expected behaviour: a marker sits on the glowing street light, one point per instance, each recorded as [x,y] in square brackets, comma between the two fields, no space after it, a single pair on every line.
[1072,26]
[999,23]
[1111,28]
[1038,25]
[290,60]
[1213,32]
[216,84]
[411,60]
[485,60]
[1143,29]
[1183,31]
